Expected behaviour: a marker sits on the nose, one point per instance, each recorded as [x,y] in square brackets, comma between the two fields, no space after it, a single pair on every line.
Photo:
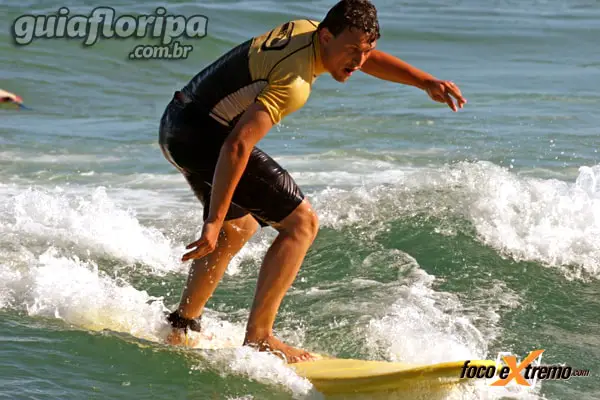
[360,59]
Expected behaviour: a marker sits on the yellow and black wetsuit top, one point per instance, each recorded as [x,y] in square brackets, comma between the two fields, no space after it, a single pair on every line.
[276,69]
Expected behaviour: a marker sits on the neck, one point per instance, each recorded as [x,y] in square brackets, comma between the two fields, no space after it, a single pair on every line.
[319,54]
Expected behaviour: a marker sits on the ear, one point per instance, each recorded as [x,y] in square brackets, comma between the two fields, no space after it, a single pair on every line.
[325,36]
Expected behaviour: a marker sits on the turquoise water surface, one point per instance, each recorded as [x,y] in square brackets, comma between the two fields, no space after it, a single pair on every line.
[444,236]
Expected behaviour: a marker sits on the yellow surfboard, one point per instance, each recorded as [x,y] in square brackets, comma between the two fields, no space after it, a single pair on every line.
[339,376]
[331,376]
[336,375]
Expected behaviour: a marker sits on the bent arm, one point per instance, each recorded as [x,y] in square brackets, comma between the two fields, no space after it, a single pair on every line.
[233,158]
[387,67]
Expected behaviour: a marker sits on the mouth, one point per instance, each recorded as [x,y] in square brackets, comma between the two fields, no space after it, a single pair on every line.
[349,71]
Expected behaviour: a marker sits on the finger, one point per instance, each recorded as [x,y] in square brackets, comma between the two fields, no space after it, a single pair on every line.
[199,252]
[450,102]
[455,91]
[459,99]
[195,244]
[437,97]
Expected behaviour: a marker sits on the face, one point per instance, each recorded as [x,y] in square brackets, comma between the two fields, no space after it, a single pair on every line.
[346,53]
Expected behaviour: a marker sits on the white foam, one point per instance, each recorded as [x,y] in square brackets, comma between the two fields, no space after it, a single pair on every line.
[346,178]
[553,222]
[49,158]
[550,221]
[253,252]
[418,317]
[415,328]
[94,224]
[409,320]
[425,326]
[97,223]
[56,286]
[261,367]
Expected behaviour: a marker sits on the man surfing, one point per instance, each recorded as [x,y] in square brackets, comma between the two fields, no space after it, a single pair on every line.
[209,132]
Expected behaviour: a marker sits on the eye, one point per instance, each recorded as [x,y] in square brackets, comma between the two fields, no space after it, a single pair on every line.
[354,51]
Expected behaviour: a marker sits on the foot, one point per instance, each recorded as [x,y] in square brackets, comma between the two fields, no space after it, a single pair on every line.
[181,329]
[280,349]
[179,337]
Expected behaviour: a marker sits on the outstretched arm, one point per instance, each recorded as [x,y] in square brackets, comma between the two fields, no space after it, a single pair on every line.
[387,67]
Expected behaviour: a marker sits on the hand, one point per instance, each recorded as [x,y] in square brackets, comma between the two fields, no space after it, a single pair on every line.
[207,242]
[8,96]
[443,91]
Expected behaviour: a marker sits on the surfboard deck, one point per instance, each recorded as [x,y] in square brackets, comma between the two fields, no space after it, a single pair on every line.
[331,375]
[337,375]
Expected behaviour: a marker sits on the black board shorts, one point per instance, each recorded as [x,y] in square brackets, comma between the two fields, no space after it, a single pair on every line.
[191,140]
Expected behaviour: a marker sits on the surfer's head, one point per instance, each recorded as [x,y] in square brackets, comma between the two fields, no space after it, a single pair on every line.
[347,35]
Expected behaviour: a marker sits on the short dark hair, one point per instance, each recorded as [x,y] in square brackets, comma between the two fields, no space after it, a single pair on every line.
[353,14]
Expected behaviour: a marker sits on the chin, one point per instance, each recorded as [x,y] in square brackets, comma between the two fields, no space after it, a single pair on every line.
[341,77]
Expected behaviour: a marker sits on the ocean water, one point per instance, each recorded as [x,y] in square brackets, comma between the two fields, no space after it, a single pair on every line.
[444,236]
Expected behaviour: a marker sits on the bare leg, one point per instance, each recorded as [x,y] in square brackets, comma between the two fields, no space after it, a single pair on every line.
[206,272]
[278,271]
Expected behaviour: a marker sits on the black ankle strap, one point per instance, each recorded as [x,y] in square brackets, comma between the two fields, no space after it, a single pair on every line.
[177,321]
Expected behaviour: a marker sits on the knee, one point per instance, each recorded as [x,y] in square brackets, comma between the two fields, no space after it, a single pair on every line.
[244,228]
[307,223]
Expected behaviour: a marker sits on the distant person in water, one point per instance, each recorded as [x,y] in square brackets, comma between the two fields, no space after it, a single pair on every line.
[8,97]
[209,131]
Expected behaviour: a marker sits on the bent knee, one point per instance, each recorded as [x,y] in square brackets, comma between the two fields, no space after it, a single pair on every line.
[304,222]
[309,224]
[243,228]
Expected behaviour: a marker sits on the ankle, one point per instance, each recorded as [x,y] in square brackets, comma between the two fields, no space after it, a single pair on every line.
[189,313]
[257,335]
[179,322]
